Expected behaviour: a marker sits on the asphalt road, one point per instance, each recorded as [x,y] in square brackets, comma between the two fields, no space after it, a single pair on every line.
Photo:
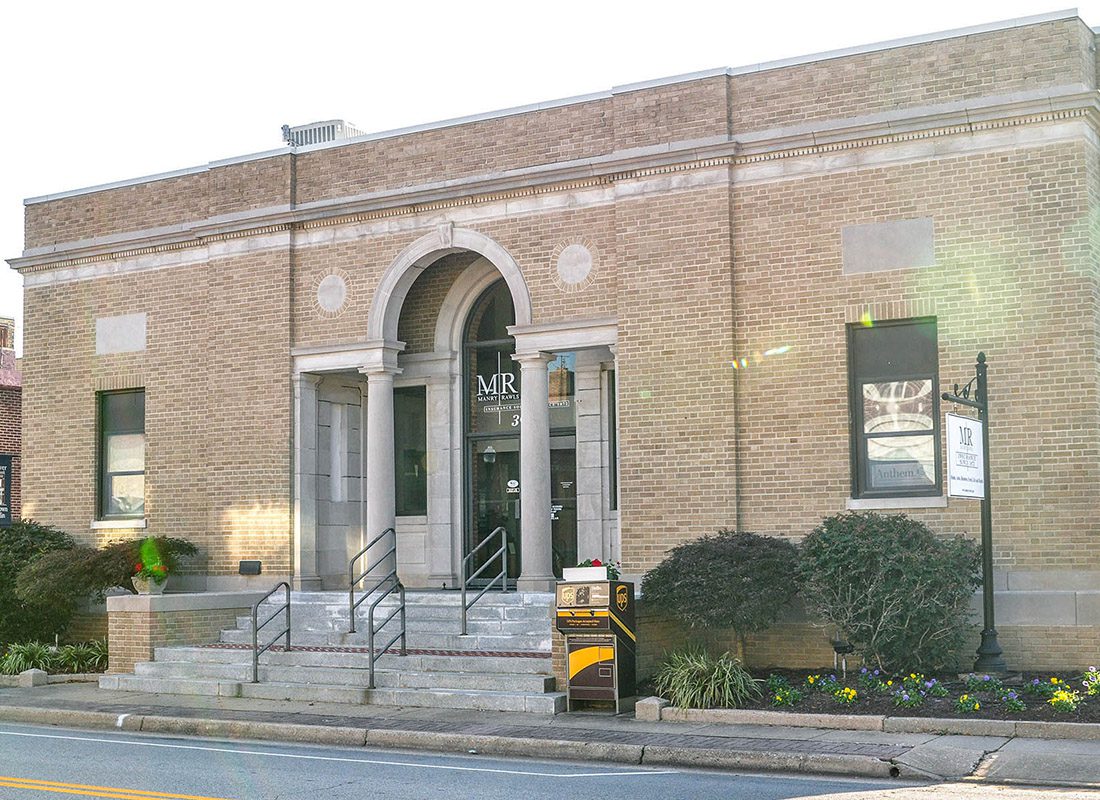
[43,763]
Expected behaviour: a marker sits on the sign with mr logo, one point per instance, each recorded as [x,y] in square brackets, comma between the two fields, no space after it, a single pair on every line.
[5,491]
[965,465]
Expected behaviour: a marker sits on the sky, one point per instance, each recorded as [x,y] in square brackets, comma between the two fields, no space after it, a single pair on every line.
[101,92]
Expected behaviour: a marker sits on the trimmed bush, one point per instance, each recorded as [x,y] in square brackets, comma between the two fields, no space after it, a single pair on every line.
[88,572]
[895,590]
[731,580]
[694,679]
[25,543]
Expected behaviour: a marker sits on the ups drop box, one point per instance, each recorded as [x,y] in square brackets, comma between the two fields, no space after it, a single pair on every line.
[597,619]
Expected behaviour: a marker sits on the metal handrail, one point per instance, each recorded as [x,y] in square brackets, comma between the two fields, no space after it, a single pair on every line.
[354,579]
[371,629]
[394,585]
[256,625]
[502,575]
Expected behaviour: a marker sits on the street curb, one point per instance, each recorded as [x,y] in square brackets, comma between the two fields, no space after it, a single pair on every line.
[610,752]
[754,760]
[1025,729]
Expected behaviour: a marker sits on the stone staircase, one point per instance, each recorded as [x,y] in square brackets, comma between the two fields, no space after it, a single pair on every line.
[503,664]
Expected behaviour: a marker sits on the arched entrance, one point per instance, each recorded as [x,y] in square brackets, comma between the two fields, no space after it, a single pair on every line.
[492,393]
[560,374]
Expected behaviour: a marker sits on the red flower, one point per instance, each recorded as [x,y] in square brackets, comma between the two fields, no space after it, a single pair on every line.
[160,568]
[138,567]
[596,562]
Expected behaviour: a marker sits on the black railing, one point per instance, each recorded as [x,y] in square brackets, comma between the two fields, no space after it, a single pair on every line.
[256,625]
[385,586]
[502,576]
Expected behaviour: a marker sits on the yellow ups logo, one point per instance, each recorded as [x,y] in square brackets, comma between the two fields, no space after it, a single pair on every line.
[622,598]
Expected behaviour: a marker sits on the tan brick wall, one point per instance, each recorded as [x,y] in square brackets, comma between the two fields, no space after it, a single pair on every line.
[134,635]
[1015,277]
[567,133]
[86,626]
[216,377]
[675,385]
[962,68]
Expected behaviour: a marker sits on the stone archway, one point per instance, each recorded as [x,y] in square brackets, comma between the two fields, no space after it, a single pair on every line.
[382,365]
[399,277]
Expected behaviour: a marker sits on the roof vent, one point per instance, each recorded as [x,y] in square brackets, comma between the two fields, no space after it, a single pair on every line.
[320,132]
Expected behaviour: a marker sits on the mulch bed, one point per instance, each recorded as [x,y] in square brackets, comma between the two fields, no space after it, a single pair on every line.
[868,702]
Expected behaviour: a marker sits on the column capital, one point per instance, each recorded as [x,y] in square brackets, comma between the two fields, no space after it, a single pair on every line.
[530,360]
[380,372]
[380,355]
[311,378]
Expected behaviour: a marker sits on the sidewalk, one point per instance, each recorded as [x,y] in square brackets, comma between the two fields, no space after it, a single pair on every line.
[598,737]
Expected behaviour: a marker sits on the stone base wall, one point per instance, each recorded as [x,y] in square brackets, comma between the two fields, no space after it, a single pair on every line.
[138,624]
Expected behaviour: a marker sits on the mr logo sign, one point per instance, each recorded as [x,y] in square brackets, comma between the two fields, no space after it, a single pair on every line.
[965,464]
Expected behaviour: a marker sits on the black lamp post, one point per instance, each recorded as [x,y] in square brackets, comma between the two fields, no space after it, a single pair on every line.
[989,651]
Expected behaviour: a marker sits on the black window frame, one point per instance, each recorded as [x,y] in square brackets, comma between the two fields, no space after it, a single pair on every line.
[410,492]
[103,477]
[858,375]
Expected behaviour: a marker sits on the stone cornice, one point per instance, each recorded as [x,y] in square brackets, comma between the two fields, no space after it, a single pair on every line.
[820,138]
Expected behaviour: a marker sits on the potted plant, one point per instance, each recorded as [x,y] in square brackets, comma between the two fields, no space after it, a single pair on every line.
[150,571]
[591,569]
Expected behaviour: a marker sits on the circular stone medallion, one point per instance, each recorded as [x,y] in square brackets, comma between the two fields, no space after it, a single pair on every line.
[332,293]
[573,264]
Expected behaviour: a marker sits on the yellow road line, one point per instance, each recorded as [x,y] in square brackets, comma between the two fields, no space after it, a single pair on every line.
[94,791]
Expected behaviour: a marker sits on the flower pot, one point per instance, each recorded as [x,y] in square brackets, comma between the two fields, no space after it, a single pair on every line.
[584,574]
[148,585]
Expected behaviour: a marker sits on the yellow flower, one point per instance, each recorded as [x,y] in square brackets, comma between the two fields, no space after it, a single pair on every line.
[977,706]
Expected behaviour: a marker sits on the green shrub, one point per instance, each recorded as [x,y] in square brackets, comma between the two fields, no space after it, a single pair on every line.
[82,657]
[732,580]
[88,572]
[899,593]
[694,679]
[26,542]
[27,655]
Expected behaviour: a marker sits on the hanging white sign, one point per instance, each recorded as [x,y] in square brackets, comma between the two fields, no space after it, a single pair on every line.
[965,462]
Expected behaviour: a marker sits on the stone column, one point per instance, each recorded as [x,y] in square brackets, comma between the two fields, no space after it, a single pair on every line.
[534,474]
[305,482]
[381,503]
[590,456]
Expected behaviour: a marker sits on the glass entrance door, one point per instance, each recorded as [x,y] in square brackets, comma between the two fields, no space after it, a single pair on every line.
[494,494]
[563,501]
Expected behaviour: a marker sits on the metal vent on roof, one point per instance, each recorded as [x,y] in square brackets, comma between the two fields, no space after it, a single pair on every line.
[319,132]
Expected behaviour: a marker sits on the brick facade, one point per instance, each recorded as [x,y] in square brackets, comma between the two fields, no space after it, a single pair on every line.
[714,209]
[11,411]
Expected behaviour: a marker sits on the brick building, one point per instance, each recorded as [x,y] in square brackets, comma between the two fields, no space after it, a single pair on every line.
[730,298]
[11,421]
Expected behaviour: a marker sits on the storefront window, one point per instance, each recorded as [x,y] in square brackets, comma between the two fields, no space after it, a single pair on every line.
[121,454]
[410,435]
[895,409]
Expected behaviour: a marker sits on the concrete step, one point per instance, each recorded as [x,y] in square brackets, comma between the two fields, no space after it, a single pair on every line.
[420,640]
[352,660]
[550,703]
[448,624]
[347,676]
[417,598]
